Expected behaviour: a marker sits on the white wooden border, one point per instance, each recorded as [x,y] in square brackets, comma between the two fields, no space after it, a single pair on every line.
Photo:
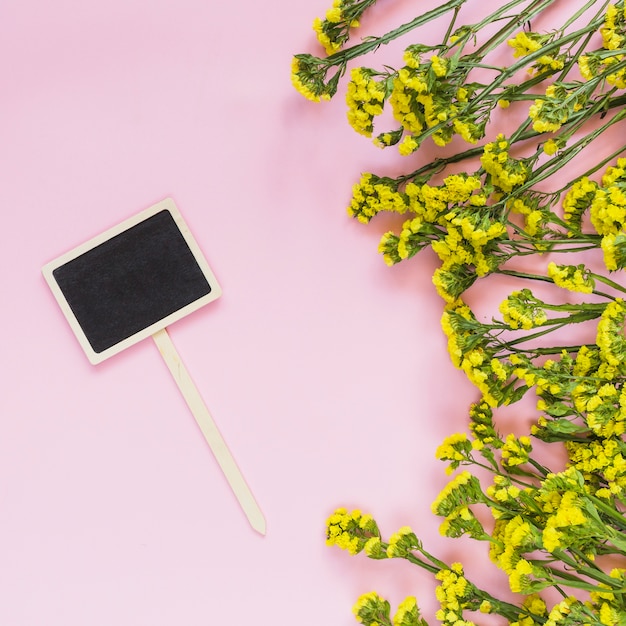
[97,357]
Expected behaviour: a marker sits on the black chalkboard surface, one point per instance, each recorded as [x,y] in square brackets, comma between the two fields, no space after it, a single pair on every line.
[133,281]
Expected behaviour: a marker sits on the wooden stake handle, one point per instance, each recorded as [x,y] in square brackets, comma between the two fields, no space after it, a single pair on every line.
[210,431]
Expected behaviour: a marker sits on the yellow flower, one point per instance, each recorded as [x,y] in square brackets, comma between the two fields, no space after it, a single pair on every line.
[408,613]
[334,15]
[523,44]
[308,81]
[365,98]
[402,543]
[330,46]
[485,606]
[505,173]
[550,147]
[350,531]
[520,578]
[573,278]
[370,608]
[408,145]
[610,333]
[547,118]
[551,538]
[439,65]
[516,451]
[585,67]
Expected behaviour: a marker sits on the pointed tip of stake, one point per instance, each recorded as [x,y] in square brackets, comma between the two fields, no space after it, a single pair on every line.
[258,523]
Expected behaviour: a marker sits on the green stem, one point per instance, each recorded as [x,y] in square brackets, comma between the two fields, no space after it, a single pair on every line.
[503,33]
[594,573]
[546,279]
[529,59]
[412,558]
[592,170]
[549,351]
[583,306]
[609,282]
[555,164]
[617,517]
[451,24]
[373,43]
[583,10]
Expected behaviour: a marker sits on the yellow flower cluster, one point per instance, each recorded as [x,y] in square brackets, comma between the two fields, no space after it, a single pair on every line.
[458,337]
[455,594]
[604,416]
[608,215]
[464,333]
[602,464]
[602,402]
[350,531]
[550,377]
[564,511]
[618,77]
[321,31]
[610,336]
[424,98]
[365,98]
[606,604]
[561,613]
[489,375]
[608,210]
[521,577]
[613,33]
[462,490]
[445,214]
[534,217]
[503,491]
[455,448]
[465,243]
[407,613]
[516,451]
[525,43]
[462,521]
[521,310]
[607,207]
[402,543]
[388,247]
[482,427]
[554,109]
[595,64]
[505,172]
[571,277]
[614,29]
[576,201]
[614,250]
[333,31]
[371,610]
[533,608]
[451,280]
[512,538]
[372,195]
[308,78]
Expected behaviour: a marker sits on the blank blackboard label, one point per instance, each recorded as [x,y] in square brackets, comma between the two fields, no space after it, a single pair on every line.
[131,281]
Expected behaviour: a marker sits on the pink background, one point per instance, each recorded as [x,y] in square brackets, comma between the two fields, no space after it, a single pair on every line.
[326,371]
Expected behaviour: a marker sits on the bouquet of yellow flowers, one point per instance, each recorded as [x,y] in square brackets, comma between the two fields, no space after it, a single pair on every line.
[487,204]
